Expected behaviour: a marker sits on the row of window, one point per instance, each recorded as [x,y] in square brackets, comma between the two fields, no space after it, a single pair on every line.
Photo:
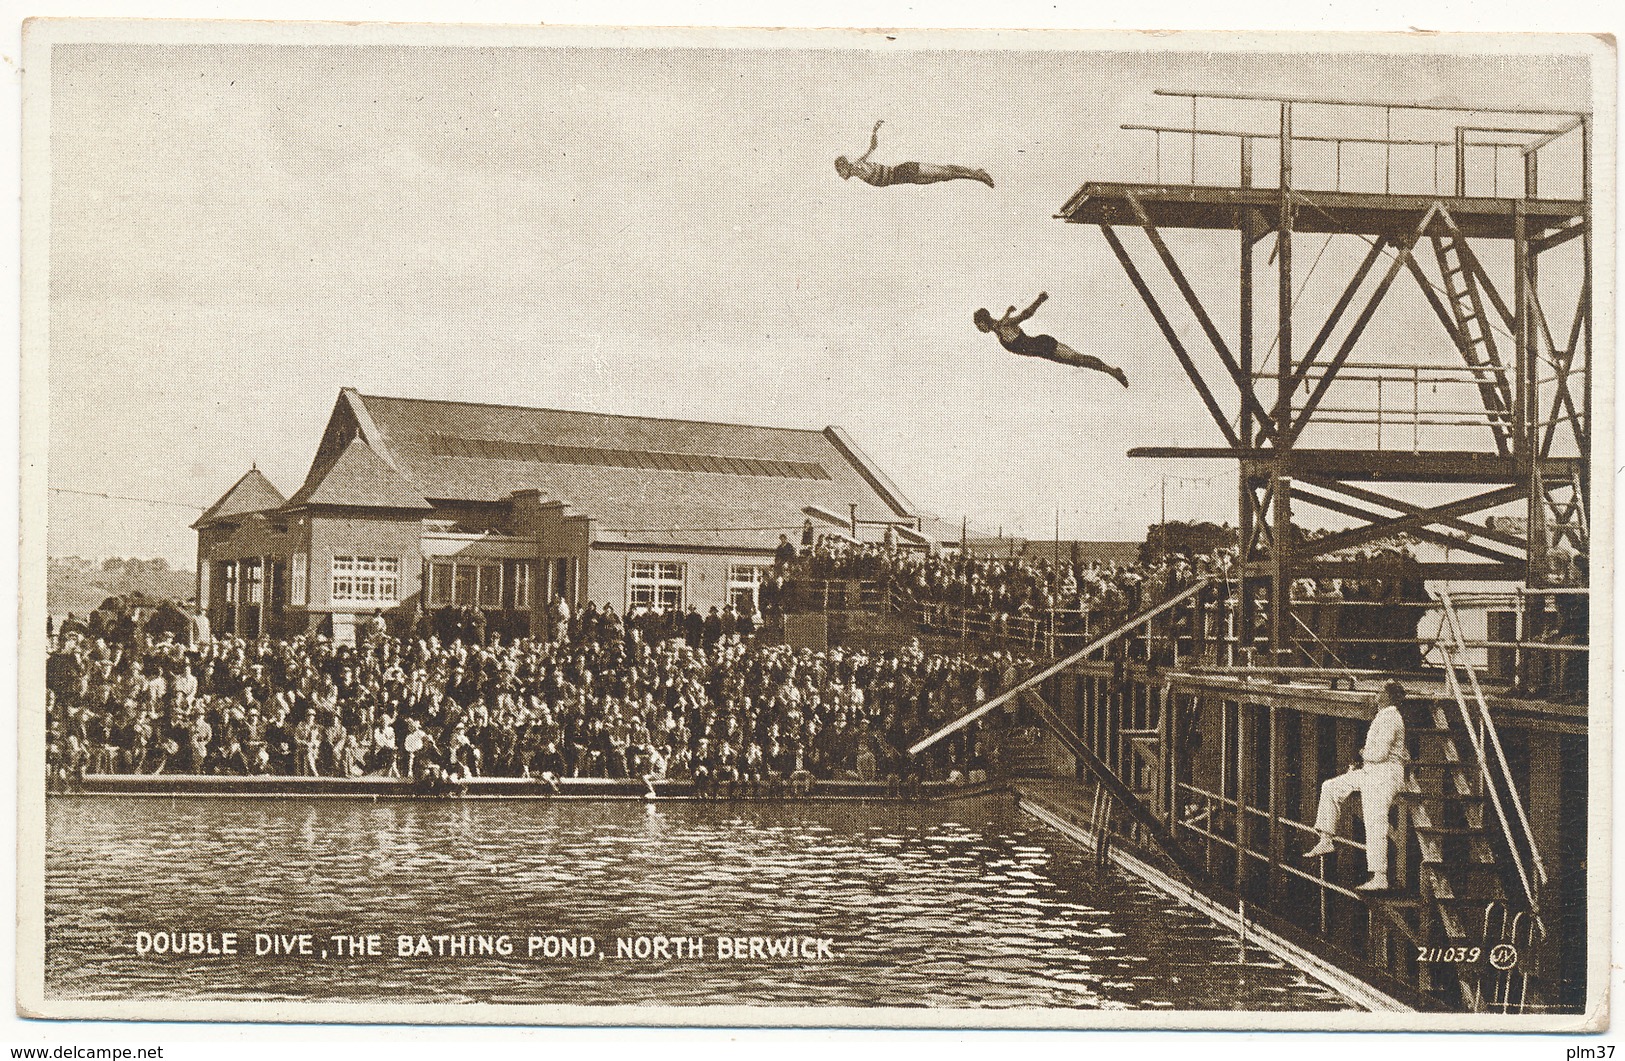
[243,581]
[491,584]
[662,585]
[509,584]
[355,580]
[366,580]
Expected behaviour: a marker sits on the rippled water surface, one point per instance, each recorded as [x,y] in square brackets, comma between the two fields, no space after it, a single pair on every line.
[955,904]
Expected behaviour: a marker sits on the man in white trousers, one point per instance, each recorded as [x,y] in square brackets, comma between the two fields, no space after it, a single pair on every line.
[1377,780]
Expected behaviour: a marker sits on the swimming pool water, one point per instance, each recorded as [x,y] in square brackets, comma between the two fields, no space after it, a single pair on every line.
[958,904]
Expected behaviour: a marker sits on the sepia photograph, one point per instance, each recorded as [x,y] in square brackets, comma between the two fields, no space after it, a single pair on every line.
[1026,529]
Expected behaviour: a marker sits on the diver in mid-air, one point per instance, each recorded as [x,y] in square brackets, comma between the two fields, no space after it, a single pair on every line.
[882,176]
[1013,339]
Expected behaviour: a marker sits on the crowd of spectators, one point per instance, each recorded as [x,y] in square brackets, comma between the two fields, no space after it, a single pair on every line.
[597,696]
[656,695]
[1366,622]
[1013,595]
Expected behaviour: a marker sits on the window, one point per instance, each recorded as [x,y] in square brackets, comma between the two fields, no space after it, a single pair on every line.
[465,581]
[276,583]
[203,585]
[655,584]
[366,579]
[458,584]
[440,584]
[490,576]
[521,573]
[228,580]
[343,578]
[301,579]
[252,586]
[743,580]
[388,583]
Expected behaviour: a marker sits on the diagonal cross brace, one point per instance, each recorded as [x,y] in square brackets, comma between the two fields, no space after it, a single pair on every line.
[1244,385]
[1358,328]
[1562,366]
[1416,524]
[1102,773]
[1342,304]
[1263,528]
[1168,333]
[1582,325]
[1567,519]
[1470,260]
[1374,498]
[1360,536]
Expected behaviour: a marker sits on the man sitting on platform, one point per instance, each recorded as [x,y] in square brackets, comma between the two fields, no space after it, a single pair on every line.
[1377,781]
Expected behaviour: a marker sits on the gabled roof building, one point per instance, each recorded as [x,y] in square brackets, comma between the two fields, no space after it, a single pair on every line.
[412,504]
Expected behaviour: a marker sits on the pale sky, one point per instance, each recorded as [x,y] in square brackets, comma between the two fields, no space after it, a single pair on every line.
[239,231]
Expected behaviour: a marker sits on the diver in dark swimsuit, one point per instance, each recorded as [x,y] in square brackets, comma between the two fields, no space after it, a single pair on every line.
[881,176]
[1013,339]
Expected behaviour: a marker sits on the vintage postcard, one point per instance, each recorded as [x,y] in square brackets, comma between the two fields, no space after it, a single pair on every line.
[914,528]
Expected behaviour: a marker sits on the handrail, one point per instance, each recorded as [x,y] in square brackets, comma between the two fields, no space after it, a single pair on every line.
[1244,134]
[1495,737]
[1483,766]
[1449,648]
[1374,104]
[1057,629]
[1055,668]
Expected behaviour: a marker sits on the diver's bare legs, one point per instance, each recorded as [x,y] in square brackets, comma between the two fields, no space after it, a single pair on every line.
[1065,355]
[929,173]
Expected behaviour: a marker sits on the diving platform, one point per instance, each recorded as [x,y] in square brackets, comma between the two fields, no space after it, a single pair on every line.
[1254,211]
[1498,394]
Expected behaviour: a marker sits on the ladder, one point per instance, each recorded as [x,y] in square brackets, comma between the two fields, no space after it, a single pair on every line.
[1457,872]
[1494,773]
[1477,344]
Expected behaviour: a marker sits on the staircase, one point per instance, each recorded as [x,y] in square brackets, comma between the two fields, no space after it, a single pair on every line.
[1475,917]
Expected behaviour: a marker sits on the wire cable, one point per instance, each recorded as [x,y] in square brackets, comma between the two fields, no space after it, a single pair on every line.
[1299,296]
[1335,657]
[127,497]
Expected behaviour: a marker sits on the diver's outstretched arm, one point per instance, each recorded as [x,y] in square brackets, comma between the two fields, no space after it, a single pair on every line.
[874,141]
[1030,310]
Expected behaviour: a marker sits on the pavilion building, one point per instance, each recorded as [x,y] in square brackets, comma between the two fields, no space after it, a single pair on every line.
[430,504]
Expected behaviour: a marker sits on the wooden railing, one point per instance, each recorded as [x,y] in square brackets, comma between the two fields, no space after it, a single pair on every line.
[1334,635]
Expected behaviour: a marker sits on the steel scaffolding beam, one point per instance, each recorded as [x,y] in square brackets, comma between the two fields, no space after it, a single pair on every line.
[1535,396]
